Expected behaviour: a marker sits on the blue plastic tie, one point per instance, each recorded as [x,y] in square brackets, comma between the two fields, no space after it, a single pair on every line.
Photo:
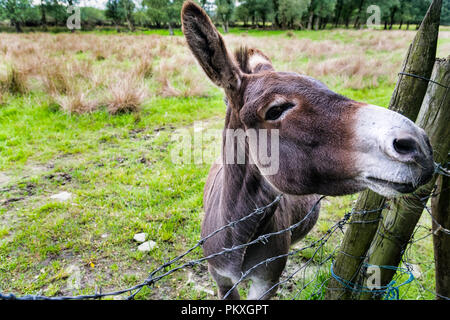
[391,291]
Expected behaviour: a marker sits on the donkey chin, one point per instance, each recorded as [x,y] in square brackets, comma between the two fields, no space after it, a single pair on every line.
[393,155]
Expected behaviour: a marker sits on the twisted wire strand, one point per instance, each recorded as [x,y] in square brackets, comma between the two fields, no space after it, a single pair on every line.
[153,278]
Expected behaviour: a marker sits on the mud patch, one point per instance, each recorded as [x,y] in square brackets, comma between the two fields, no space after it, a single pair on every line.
[59,177]
[18,193]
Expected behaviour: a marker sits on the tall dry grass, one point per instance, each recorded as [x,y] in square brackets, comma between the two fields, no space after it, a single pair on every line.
[370,58]
[82,72]
[76,102]
[126,94]
[14,80]
[354,71]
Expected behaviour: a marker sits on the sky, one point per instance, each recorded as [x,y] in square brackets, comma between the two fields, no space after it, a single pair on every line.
[93,3]
[101,4]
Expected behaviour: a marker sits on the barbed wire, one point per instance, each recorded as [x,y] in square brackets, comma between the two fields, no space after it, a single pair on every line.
[318,245]
[423,78]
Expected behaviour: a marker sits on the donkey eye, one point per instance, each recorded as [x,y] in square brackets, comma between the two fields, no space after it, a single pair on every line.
[276,111]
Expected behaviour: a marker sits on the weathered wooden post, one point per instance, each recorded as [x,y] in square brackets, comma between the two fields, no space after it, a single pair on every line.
[441,239]
[406,99]
[440,206]
[398,222]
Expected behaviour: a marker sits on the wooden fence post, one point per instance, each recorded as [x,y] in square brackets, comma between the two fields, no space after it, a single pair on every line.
[407,100]
[441,238]
[399,221]
[440,206]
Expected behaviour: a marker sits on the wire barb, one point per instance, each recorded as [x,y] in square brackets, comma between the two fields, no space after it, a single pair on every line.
[391,291]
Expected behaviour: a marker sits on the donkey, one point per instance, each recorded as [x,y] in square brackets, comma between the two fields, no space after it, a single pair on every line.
[328,145]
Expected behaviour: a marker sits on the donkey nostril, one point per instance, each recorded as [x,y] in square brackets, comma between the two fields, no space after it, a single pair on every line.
[405,146]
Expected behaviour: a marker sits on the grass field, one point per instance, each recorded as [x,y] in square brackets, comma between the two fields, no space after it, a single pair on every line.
[93,114]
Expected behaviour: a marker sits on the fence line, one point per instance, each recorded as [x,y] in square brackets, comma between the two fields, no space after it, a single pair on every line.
[317,244]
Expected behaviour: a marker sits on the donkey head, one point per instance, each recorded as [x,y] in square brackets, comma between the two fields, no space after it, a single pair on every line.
[328,144]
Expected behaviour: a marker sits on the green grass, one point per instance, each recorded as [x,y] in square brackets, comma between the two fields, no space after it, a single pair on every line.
[34,130]
[123,182]
[379,96]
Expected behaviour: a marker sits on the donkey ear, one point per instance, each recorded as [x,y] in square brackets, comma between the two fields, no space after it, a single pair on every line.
[253,60]
[208,47]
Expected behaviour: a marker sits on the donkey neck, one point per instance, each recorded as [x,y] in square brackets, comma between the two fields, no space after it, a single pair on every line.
[245,188]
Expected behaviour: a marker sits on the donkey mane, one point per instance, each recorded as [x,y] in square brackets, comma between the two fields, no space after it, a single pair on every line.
[243,55]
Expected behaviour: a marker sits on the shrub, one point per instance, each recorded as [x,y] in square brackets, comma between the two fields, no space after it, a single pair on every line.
[76,103]
[126,95]
[15,80]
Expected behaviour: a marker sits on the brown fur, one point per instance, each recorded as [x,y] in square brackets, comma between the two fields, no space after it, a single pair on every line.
[316,136]
[316,147]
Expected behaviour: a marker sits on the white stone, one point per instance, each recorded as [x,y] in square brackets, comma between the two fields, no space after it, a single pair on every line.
[140,237]
[62,196]
[147,246]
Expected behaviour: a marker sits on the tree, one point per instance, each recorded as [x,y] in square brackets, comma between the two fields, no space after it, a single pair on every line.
[276,19]
[163,12]
[264,10]
[250,6]
[419,10]
[15,11]
[43,9]
[120,11]
[54,12]
[224,12]
[394,9]
[114,12]
[359,14]
[347,8]
[141,18]
[291,11]
[208,6]
[242,13]
[405,12]
[320,9]
[445,16]
[338,12]
[128,8]
[92,16]
[173,13]
[156,11]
